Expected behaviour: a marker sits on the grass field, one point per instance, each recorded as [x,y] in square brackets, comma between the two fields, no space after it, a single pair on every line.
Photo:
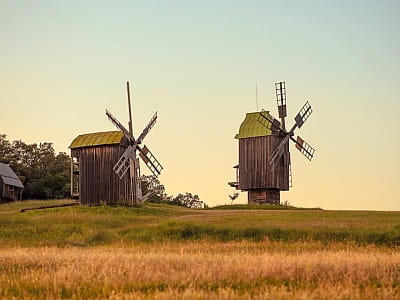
[167,252]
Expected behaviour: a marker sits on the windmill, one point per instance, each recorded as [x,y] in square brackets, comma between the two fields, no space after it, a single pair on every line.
[264,167]
[129,159]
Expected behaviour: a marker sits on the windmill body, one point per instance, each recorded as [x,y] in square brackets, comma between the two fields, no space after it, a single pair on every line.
[105,166]
[264,167]
[92,179]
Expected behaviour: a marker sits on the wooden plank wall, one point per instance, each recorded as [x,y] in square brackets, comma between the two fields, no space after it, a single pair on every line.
[7,194]
[97,181]
[254,172]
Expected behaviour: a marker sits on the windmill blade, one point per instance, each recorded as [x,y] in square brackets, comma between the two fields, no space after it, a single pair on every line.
[288,166]
[277,154]
[122,165]
[146,130]
[269,122]
[120,126]
[304,148]
[290,172]
[303,115]
[280,92]
[151,162]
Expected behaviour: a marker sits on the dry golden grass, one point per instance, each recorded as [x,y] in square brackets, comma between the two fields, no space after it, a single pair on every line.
[202,270]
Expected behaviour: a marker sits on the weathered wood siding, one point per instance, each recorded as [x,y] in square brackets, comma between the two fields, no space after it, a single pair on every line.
[97,181]
[254,172]
[9,193]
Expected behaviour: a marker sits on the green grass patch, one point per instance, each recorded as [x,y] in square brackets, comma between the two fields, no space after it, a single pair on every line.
[183,231]
[86,226]
[261,207]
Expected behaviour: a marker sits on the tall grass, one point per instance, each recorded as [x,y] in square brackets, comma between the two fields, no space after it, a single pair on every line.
[163,252]
[202,270]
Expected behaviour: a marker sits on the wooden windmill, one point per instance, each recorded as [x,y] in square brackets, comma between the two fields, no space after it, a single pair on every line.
[129,160]
[101,161]
[264,158]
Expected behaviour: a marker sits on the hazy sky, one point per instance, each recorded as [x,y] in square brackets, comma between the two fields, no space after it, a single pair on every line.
[62,63]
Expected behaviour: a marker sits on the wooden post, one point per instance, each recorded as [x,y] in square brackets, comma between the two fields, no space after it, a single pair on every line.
[133,197]
[129,107]
[72,176]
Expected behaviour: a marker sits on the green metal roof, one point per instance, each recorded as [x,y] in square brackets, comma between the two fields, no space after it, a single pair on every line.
[97,139]
[251,127]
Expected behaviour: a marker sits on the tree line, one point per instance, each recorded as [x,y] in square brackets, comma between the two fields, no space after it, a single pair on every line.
[152,186]
[46,175]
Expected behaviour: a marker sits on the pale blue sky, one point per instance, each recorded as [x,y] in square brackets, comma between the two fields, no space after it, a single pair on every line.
[62,63]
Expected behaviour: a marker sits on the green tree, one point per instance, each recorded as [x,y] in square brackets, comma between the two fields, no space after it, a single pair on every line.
[5,149]
[188,200]
[152,185]
[44,174]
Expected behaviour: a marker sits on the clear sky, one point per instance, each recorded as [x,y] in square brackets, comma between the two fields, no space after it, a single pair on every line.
[62,63]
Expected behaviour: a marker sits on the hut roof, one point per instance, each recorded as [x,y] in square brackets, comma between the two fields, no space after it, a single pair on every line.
[9,177]
[251,127]
[97,139]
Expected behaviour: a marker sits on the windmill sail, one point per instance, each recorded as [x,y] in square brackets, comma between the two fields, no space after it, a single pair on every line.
[120,126]
[280,91]
[146,130]
[151,162]
[279,151]
[269,121]
[122,165]
[303,115]
[305,148]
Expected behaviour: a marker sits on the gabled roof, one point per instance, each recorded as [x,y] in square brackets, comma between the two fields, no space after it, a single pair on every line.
[97,139]
[9,177]
[251,127]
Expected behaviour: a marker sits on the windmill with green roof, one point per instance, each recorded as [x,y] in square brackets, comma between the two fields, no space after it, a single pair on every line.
[105,166]
[264,167]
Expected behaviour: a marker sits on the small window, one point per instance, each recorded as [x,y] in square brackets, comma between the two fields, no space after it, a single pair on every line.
[11,188]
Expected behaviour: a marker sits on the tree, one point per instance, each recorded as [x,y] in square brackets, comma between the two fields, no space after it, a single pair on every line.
[5,149]
[188,200]
[44,174]
[152,186]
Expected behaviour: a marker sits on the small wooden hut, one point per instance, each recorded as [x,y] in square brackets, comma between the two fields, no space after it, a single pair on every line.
[254,175]
[10,185]
[93,180]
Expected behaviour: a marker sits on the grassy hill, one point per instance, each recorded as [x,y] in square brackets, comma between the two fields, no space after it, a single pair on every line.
[166,252]
[107,225]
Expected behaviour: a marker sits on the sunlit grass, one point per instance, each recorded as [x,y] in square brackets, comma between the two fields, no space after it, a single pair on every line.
[158,251]
[235,270]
